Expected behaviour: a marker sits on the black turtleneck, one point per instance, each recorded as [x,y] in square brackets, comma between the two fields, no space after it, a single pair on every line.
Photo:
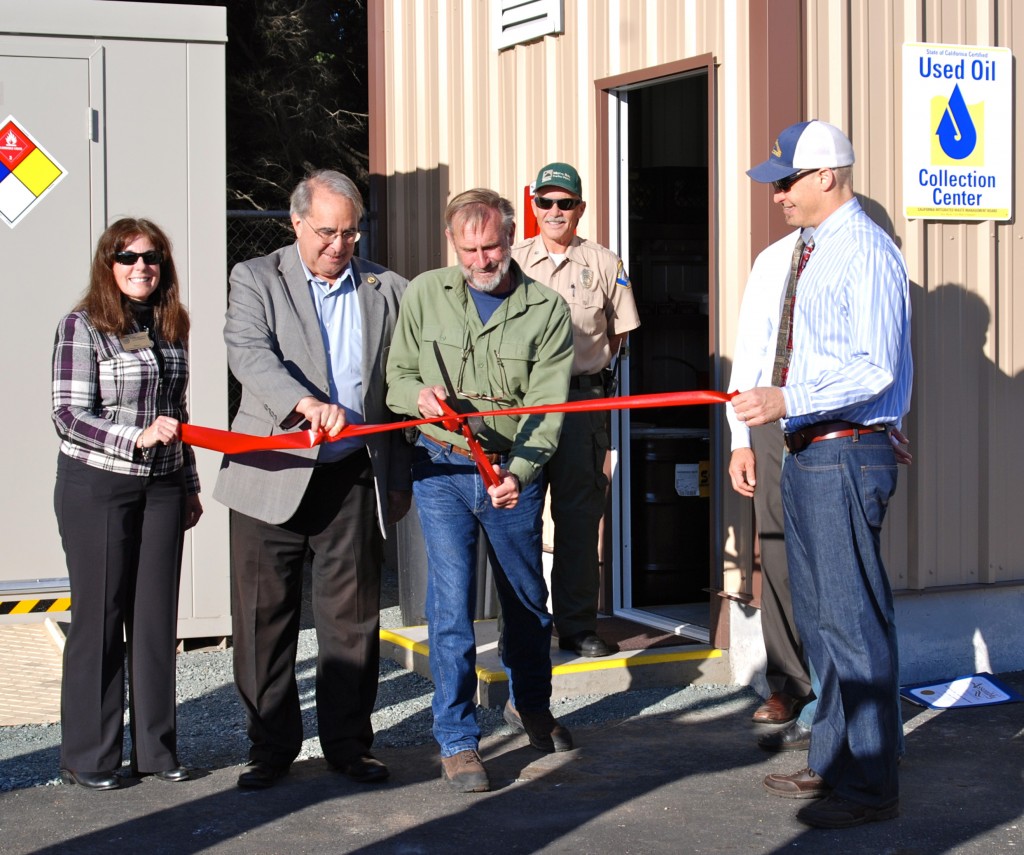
[142,312]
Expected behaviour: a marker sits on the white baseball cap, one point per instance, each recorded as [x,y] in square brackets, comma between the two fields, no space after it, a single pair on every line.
[805,145]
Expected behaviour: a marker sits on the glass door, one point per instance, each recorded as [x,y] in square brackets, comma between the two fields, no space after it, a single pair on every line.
[661,485]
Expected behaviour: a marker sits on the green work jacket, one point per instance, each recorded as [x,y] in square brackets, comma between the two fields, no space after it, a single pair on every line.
[522,355]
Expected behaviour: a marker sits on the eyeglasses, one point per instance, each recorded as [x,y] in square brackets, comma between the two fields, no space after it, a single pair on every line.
[462,393]
[783,184]
[546,204]
[151,256]
[328,236]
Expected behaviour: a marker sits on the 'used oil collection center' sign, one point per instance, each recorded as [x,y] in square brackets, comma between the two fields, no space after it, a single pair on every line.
[957,132]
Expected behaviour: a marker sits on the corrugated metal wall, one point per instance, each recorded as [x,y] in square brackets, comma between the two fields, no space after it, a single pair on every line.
[957,517]
[461,114]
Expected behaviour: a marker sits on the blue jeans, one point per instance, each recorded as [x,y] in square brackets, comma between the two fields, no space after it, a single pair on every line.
[453,504]
[835,494]
[810,709]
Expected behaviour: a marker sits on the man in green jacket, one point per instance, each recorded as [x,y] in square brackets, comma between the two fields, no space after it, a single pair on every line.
[506,342]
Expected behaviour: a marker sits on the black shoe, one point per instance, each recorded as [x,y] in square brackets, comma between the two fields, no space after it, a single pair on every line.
[91,780]
[793,737]
[260,775]
[587,643]
[366,769]
[544,732]
[179,773]
[836,812]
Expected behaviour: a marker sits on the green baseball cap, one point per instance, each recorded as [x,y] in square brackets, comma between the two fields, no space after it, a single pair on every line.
[559,175]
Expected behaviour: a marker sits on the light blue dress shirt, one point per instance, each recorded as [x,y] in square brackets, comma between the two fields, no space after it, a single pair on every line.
[851,327]
[341,327]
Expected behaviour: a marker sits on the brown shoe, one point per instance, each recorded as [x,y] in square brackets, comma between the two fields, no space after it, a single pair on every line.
[465,772]
[804,784]
[835,812]
[544,731]
[780,708]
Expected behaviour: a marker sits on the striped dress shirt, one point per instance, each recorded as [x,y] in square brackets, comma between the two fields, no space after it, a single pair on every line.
[104,397]
[851,327]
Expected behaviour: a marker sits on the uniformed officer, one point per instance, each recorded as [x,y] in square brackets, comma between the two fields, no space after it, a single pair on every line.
[593,281]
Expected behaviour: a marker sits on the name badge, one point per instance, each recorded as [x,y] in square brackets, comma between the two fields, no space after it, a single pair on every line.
[136,341]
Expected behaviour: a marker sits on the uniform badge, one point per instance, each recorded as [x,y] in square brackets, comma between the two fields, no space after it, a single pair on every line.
[587,278]
[620,277]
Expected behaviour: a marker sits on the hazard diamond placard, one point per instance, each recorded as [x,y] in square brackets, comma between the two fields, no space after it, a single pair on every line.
[27,172]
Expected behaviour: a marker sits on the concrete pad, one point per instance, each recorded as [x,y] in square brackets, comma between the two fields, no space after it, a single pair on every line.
[570,675]
[31,654]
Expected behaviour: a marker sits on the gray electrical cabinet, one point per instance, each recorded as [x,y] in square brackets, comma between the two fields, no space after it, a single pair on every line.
[107,109]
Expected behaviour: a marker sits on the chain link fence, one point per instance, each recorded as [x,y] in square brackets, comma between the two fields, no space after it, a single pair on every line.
[251,234]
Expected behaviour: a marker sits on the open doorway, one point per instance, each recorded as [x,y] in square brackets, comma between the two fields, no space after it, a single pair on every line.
[662,485]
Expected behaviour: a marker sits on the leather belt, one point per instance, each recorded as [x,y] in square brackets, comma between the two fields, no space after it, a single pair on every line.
[798,440]
[587,381]
[463,452]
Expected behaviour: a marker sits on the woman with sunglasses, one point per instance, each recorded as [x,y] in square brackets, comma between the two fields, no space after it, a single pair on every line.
[126,491]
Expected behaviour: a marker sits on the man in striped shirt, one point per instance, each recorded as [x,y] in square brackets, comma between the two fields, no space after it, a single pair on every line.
[846,373]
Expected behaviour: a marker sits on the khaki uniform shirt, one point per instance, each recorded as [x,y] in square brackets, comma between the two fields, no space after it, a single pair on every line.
[593,281]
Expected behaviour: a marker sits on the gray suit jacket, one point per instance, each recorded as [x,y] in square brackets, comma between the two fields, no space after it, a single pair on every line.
[276,352]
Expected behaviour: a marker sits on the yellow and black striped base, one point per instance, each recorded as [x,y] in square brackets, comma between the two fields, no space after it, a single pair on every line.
[34,606]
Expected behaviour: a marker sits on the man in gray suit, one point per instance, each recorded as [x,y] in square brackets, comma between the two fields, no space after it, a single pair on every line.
[308,329]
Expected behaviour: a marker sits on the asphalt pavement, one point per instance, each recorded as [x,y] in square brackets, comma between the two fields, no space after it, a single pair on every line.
[680,782]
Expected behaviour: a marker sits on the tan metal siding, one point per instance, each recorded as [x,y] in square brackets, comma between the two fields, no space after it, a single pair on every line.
[955,519]
[461,114]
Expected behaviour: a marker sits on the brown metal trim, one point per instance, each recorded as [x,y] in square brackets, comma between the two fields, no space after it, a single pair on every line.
[776,99]
[601,187]
[646,75]
[776,102]
[377,97]
[719,632]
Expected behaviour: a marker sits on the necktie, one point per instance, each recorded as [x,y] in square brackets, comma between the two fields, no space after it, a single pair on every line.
[784,341]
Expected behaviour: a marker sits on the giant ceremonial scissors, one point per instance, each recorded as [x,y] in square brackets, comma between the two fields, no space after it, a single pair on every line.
[461,424]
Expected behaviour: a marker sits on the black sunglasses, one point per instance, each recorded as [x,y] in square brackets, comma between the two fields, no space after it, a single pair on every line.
[783,184]
[151,256]
[546,204]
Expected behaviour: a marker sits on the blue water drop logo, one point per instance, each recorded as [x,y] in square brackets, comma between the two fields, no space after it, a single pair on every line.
[956,132]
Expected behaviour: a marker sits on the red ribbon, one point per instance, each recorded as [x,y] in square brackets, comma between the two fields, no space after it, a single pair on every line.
[227,442]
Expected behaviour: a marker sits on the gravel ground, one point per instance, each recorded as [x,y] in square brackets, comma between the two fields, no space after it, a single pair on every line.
[211,724]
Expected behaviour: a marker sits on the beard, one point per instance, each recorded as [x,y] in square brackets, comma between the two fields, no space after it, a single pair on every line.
[490,281]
